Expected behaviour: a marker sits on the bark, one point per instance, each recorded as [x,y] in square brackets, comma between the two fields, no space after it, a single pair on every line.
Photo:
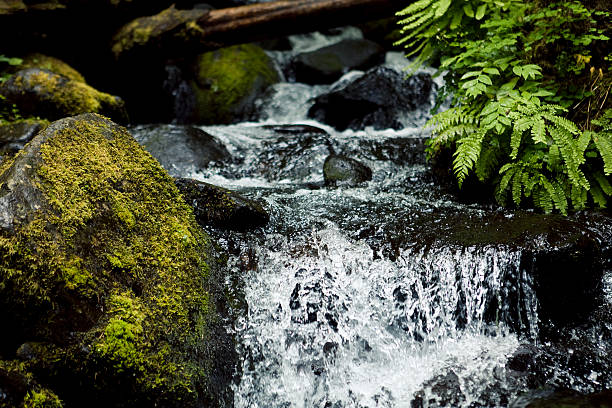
[173,31]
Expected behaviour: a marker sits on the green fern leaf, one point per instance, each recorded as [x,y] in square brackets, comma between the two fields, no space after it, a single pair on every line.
[466,155]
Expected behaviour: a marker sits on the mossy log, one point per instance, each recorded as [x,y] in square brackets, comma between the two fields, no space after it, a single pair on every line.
[174,31]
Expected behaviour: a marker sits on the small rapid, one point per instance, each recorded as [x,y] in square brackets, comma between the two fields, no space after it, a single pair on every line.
[368,296]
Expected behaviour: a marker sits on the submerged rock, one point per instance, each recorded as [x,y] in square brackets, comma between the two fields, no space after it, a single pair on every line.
[327,64]
[227,82]
[342,171]
[181,150]
[108,287]
[220,207]
[376,99]
[43,93]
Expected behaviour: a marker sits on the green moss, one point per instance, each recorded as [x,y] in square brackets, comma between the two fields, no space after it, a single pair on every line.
[113,235]
[228,80]
[52,64]
[42,398]
[145,30]
[72,97]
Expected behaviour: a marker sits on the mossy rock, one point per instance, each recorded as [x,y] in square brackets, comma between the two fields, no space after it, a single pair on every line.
[43,93]
[229,80]
[52,64]
[108,287]
[14,135]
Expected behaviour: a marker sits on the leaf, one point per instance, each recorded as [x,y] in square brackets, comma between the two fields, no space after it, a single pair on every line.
[456,21]
[538,131]
[485,79]
[442,7]
[480,11]
[491,71]
[470,74]
[469,11]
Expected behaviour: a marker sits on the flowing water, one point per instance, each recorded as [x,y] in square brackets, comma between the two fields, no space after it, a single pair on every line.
[344,304]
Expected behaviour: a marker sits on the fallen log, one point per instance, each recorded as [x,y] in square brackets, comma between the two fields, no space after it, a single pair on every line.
[174,32]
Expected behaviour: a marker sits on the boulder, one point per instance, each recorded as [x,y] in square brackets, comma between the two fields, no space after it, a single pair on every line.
[43,93]
[220,207]
[181,150]
[342,171]
[37,60]
[14,135]
[109,289]
[327,64]
[377,99]
[227,82]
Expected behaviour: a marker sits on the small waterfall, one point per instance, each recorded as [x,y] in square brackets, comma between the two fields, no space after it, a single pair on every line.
[331,324]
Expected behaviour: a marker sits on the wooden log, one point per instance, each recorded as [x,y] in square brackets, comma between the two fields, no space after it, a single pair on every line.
[173,32]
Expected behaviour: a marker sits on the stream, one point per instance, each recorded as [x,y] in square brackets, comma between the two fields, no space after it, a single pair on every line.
[362,296]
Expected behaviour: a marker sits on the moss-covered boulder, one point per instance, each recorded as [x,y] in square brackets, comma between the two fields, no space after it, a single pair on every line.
[37,60]
[108,287]
[43,93]
[228,81]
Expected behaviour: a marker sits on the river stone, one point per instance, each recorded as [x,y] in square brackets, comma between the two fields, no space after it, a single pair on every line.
[227,82]
[181,150]
[43,93]
[342,171]
[14,135]
[106,279]
[37,60]
[220,207]
[327,64]
[375,99]
[295,152]
[571,399]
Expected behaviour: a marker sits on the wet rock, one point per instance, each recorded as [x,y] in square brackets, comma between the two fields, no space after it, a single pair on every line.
[295,152]
[342,171]
[113,284]
[181,150]
[443,390]
[43,93]
[377,99]
[227,82]
[327,64]
[221,207]
[571,399]
[14,135]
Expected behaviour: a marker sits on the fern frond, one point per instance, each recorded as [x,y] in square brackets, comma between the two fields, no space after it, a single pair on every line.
[604,146]
[466,155]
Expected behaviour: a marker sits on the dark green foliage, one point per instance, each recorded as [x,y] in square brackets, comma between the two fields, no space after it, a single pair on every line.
[528,84]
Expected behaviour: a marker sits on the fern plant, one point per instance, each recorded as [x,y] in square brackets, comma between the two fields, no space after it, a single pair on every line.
[528,85]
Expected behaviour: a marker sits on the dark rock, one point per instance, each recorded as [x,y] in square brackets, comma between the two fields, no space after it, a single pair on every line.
[181,150]
[43,93]
[342,171]
[376,99]
[113,284]
[327,64]
[295,152]
[220,207]
[14,135]
[443,391]
[572,399]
